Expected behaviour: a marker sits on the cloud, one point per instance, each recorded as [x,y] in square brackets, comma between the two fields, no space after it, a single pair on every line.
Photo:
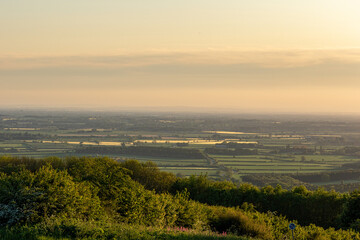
[191,69]
[297,80]
[303,100]
[261,58]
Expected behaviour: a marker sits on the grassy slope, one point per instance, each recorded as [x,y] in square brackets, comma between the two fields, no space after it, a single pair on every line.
[86,230]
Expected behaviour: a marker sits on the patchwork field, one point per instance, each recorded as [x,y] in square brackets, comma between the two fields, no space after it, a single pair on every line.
[276,145]
[282,163]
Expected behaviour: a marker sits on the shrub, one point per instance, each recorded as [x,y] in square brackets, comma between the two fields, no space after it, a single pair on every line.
[235,221]
[32,197]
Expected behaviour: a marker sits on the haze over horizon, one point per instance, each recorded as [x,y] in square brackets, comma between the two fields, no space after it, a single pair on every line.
[254,56]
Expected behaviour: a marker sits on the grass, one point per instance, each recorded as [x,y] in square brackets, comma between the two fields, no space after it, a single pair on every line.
[249,164]
[189,172]
[282,171]
[328,158]
[10,145]
[238,157]
[282,163]
[277,166]
[101,231]
[161,160]
[336,182]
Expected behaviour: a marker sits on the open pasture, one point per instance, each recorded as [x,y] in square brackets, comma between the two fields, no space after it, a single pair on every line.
[191,171]
[334,159]
[280,171]
[185,167]
[280,163]
[10,145]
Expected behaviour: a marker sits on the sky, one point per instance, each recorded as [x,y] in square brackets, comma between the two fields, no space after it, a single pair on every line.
[246,56]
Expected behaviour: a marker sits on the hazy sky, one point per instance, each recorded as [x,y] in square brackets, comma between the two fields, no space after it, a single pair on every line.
[263,55]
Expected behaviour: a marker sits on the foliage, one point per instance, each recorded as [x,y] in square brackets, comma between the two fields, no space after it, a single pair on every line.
[351,214]
[97,198]
[31,197]
[149,175]
[237,222]
[75,229]
[285,181]
[320,207]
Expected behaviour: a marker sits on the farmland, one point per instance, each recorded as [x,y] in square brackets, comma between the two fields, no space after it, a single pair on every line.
[232,147]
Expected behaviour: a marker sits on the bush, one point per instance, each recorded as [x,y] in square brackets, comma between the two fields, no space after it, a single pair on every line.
[33,197]
[149,175]
[235,221]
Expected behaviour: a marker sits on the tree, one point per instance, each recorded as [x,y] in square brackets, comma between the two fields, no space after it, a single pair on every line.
[34,197]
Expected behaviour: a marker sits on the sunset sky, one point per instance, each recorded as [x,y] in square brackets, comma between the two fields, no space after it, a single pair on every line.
[246,56]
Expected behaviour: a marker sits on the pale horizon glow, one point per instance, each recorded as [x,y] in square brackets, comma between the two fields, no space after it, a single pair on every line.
[254,56]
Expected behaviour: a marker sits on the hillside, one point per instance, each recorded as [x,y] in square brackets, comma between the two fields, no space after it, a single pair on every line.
[99,198]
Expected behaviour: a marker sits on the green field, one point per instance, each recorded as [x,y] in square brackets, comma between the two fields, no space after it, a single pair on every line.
[282,163]
[279,142]
[247,164]
[191,171]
